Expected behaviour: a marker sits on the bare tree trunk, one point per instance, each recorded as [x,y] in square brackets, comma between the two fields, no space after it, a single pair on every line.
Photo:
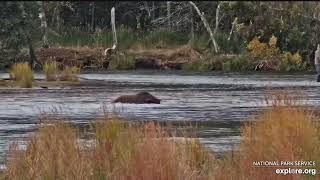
[232,28]
[113,25]
[207,26]
[168,13]
[192,27]
[58,18]
[44,26]
[108,51]
[32,56]
[147,8]
[217,19]
[92,15]
[153,11]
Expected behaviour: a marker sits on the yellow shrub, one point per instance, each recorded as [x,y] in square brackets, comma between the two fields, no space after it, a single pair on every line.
[51,69]
[263,51]
[294,59]
[23,74]
[273,41]
[286,56]
[271,53]
[70,74]
[256,48]
[272,50]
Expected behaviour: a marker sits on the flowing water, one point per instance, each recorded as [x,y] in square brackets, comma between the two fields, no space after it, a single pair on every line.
[217,103]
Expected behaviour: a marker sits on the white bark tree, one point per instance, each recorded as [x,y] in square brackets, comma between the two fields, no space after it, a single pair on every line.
[108,51]
[168,13]
[92,15]
[217,18]
[207,26]
[44,25]
[191,22]
[234,23]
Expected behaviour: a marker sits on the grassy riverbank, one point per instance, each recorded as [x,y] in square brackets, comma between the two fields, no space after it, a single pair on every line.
[143,151]
[164,49]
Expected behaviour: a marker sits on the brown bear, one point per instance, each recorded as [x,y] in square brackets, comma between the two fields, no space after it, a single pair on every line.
[140,98]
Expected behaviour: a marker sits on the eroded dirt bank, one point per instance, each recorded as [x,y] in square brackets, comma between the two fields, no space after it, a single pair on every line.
[94,58]
[165,58]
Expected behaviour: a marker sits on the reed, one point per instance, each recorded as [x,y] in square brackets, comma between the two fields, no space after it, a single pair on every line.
[70,74]
[51,70]
[119,151]
[123,62]
[286,132]
[22,73]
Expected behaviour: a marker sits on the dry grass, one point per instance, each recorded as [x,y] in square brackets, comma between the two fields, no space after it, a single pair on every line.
[286,132]
[23,74]
[119,151]
[70,73]
[51,70]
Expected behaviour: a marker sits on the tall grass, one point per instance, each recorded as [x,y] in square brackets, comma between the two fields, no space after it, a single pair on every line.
[119,151]
[123,62]
[198,66]
[163,39]
[220,63]
[240,63]
[70,74]
[127,38]
[51,70]
[286,132]
[232,46]
[75,37]
[23,74]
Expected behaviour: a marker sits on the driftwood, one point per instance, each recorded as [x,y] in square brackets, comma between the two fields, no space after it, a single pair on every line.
[207,26]
[263,65]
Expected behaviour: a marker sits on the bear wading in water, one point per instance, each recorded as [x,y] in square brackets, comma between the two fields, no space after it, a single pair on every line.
[140,98]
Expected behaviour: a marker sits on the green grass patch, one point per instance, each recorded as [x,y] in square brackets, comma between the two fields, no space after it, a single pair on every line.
[123,62]
[198,66]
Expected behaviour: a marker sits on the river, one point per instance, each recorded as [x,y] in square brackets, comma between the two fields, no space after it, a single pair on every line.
[218,103]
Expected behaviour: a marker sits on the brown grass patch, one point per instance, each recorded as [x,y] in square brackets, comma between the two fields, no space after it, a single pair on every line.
[286,132]
[70,74]
[23,74]
[119,151]
[51,70]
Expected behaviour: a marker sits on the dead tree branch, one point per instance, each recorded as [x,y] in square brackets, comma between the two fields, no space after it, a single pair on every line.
[207,26]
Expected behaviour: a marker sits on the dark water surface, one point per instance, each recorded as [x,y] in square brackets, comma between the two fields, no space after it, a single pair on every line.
[218,103]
